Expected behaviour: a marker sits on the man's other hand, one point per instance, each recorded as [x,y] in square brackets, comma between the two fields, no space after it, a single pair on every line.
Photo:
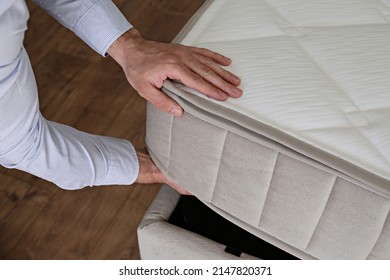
[150,174]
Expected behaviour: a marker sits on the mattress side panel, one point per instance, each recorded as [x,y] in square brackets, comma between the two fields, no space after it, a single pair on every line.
[243,179]
[187,149]
[311,209]
[296,199]
[158,136]
[381,250]
[351,223]
[195,155]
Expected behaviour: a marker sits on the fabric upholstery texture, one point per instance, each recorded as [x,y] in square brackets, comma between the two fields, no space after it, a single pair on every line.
[310,207]
[302,160]
[159,239]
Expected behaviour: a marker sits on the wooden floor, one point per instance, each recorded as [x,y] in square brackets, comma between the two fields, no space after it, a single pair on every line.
[80,88]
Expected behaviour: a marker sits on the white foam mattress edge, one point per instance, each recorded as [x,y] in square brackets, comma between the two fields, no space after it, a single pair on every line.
[321,80]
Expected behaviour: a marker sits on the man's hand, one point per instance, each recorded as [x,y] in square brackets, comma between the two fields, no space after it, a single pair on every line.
[150,174]
[147,64]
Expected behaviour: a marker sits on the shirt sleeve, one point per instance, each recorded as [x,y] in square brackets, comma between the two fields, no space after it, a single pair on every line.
[70,158]
[97,22]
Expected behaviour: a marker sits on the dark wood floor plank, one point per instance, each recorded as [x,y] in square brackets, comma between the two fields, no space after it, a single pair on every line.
[46,34]
[103,93]
[125,246]
[26,178]
[21,206]
[12,192]
[130,122]
[160,20]
[71,224]
[59,83]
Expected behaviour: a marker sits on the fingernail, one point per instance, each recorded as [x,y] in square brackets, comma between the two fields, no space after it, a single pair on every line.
[176,112]
[223,95]
[237,91]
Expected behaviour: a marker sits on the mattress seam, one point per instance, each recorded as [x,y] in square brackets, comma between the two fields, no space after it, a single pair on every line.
[277,12]
[336,178]
[268,189]
[380,233]
[338,86]
[319,66]
[219,166]
[309,158]
[170,146]
[251,38]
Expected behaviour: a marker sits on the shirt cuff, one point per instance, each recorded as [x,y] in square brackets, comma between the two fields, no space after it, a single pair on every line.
[101,25]
[123,165]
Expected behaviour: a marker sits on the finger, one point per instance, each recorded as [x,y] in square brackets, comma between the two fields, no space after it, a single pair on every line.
[162,102]
[176,187]
[210,76]
[224,74]
[195,81]
[214,56]
[179,189]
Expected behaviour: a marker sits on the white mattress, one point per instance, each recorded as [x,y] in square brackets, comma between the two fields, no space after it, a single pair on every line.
[316,70]
[302,159]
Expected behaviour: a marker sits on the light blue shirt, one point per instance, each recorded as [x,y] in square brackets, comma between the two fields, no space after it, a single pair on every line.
[63,155]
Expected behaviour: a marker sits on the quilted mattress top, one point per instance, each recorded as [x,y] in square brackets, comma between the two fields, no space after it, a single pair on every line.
[316,70]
